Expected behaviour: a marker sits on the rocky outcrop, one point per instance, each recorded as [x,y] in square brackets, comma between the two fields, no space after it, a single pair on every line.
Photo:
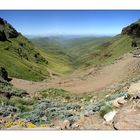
[4,74]
[127,119]
[132,30]
[7,31]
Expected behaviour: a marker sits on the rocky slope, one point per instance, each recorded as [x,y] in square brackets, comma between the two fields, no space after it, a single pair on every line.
[114,107]
[19,56]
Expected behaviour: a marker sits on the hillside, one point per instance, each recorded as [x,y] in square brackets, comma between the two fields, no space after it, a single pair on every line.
[84,52]
[19,56]
[92,83]
[59,61]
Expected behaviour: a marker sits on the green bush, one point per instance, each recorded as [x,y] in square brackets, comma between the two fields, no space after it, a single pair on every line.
[57,94]
[105,109]
[3,100]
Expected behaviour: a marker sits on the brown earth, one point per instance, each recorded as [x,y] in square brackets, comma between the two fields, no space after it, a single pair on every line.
[89,80]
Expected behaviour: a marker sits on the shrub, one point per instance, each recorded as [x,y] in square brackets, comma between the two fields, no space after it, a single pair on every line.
[9,124]
[105,109]
[12,91]
[114,96]
[7,110]
[3,100]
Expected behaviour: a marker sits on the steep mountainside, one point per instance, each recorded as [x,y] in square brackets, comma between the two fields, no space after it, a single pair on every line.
[105,94]
[19,56]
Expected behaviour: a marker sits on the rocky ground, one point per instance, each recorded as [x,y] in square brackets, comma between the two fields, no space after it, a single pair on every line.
[41,106]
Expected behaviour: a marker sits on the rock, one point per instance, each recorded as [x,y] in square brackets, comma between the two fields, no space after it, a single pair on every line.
[72,111]
[109,116]
[65,124]
[4,74]
[115,104]
[134,89]
[7,31]
[75,126]
[121,101]
[127,119]
[118,102]
[138,105]
[132,30]
[137,96]
[96,108]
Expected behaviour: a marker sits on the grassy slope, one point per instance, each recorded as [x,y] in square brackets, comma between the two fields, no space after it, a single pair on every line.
[82,52]
[80,49]
[100,51]
[118,46]
[59,61]
[20,67]
[70,54]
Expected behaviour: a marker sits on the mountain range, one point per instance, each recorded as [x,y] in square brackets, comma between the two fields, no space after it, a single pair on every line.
[69,82]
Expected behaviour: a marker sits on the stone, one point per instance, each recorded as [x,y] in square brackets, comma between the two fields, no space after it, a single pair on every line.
[121,101]
[118,102]
[75,126]
[115,104]
[72,111]
[132,30]
[137,96]
[7,31]
[65,124]
[109,116]
[134,89]
[127,119]
[4,74]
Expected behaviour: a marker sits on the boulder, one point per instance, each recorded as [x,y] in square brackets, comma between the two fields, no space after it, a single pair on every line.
[65,124]
[134,89]
[127,119]
[121,101]
[4,74]
[109,116]
[118,102]
[137,96]
[115,103]
[7,31]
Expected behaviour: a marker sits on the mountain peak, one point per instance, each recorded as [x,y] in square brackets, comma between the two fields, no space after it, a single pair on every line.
[132,30]
[6,30]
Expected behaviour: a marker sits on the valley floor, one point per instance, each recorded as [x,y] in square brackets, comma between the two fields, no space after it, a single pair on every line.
[88,82]
[91,80]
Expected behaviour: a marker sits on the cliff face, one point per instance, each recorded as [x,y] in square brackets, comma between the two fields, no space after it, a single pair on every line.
[132,30]
[7,31]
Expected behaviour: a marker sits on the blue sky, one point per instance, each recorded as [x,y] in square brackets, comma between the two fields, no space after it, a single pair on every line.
[58,22]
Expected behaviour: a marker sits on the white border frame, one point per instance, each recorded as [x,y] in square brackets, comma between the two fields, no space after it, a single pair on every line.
[69,5]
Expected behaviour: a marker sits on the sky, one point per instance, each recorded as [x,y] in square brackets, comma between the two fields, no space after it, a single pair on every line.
[69,22]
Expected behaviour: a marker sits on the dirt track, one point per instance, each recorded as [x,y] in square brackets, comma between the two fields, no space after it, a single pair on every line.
[88,80]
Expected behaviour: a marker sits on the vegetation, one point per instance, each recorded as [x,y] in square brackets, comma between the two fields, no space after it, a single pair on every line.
[105,109]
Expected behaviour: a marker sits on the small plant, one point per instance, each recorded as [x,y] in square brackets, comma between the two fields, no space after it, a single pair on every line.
[105,109]
[117,95]
[23,124]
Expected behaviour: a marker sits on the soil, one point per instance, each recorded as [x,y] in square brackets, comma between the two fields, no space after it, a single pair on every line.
[93,79]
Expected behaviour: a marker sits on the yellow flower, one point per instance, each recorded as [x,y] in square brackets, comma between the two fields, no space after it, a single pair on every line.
[30,125]
[43,125]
